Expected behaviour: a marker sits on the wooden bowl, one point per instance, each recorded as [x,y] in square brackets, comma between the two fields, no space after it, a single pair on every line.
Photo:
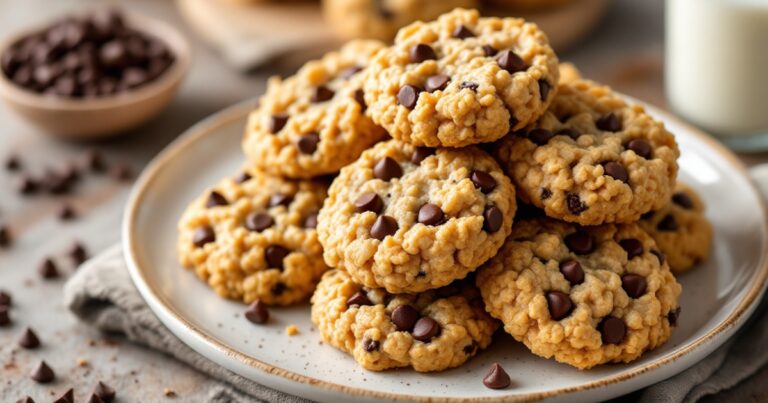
[98,117]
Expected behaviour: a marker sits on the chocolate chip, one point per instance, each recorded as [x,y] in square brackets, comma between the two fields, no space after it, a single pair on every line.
[568,132]
[404,318]
[609,123]
[308,143]
[5,317]
[483,181]
[545,193]
[359,298]
[66,213]
[5,236]
[668,223]
[311,221]
[242,177]
[469,85]
[640,147]
[560,305]
[489,50]
[202,236]
[67,397]
[510,61]
[134,77]
[275,254]
[673,316]
[616,171]
[612,330]
[462,32]
[370,345]
[113,54]
[575,205]
[421,52]
[13,163]
[277,122]
[497,378]
[258,221]
[544,88]
[5,299]
[369,201]
[215,199]
[26,399]
[78,253]
[359,96]
[408,96]
[425,329]
[632,246]
[634,285]
[321,93]
[278,289]
[436,82]
[121,172]
[540,136]
[104,392]
[384,226]
[27,185]
[48,269]
[350,71]
[29,339]
[660,256]
[93,160]
[421,153]
[43,373]
[94,398]
[257,313]
[683,200]
[580,242]
[280,199]
[492,219]
[572,271]
[430,214]
[387,169]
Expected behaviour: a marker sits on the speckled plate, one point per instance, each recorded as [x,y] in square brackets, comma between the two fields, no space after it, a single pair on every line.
[716,301]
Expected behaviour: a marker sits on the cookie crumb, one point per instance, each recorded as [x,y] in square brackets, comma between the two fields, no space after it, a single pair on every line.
[292,330]
[168,392]
[82,362]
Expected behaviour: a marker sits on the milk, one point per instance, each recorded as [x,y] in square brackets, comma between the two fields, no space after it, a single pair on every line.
[717,64]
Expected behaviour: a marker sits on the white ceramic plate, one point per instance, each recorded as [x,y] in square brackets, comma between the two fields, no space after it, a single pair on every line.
[716,300]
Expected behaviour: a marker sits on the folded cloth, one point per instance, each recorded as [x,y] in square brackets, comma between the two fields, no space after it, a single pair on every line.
[102,295]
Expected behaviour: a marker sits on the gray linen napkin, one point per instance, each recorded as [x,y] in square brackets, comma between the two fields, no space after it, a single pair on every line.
[102,295]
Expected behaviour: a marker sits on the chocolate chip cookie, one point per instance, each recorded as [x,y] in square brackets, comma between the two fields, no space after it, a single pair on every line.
[461,80]
[431,331]
[410,219]
[681,229]
[380,19]
[583,295]
[252,237]
[313,123]
[592,158]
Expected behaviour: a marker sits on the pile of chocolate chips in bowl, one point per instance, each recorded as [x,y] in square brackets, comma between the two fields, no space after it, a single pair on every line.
[93,55]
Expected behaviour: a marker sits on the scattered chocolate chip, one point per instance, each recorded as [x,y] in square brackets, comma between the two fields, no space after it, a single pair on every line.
[404,317]
[421,52]
[421,153]
[67,397]
[93,160]
[257,313]
[673,316]
[632,246]
[387,169]
[469,85]
[104,392]
[384,226]
[216,199]
[29,339]
[616,171]
[568,132]
[660,256]
[67,213]
[359,96]
[462,32]
[540,136]
[683,200]
[609,123]
[242,177]
[43,373]
[436,83]
[612,330]
[5,236]
[575,205]
[258,221]
[13,163]
[510,61]
[634,285]
[544,88]
[572,271]
[580,242]
[310,221]
[26,399]
[280,199]
[408,96]
[369,202]
[492,219]
[321,93]
[308,143]
[425,329]
[640,147]
[489,50]
[370,345]
[277,122]
[5,299]
[48,269]
[483,181]
[94,398]
[668,223]
[278,289]
[350,71]
[430,214]
[78,254]
[27,185]
[560,305]
[5,317]
[359,298]
[275,254]
[121,172]
[545,193]
[202,236]
[497,378]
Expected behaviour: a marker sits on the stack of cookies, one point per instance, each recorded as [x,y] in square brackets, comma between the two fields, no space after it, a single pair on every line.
[474,187]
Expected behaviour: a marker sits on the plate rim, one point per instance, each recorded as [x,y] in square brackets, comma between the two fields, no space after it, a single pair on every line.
[149,292]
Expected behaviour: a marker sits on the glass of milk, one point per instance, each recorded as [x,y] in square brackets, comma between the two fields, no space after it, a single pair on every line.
[717,68]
